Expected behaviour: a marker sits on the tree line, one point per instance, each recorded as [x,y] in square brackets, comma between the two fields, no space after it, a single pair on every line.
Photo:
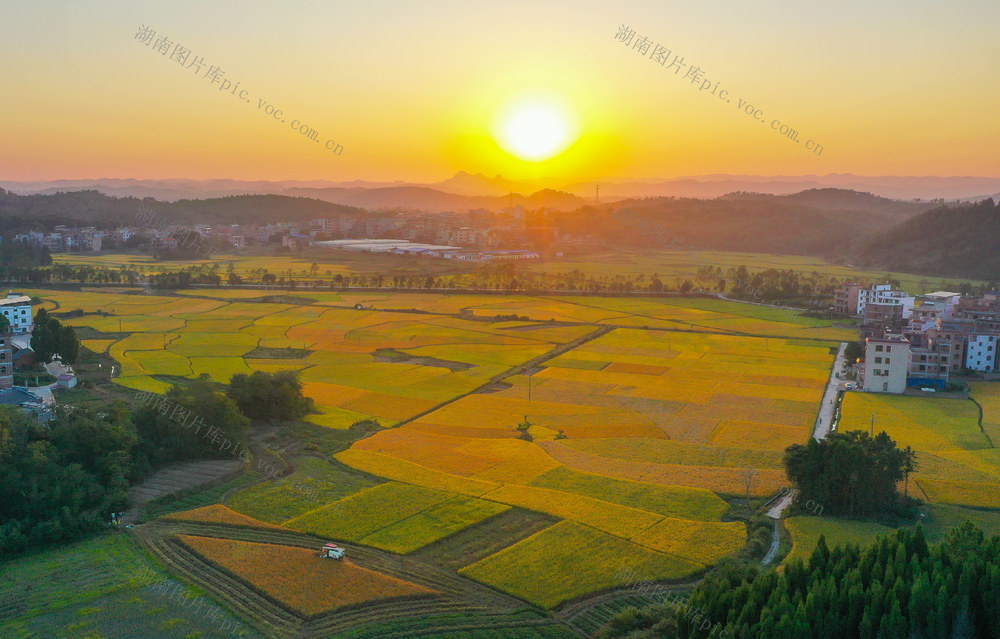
[898,587]
[61,480]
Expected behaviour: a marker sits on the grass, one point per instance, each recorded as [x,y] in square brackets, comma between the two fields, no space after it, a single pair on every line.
[428,526]
[361,514]
[484,538]
[538,569]
[314,482]
[806,532]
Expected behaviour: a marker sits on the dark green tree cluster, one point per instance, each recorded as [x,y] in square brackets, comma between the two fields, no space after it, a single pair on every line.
[896,588]
[850,473]
[61,481]
[23,255]
[270,397]
[169,435]
[50,338]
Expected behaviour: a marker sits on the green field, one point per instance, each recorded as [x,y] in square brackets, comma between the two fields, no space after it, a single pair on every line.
[957,462]
[103,587]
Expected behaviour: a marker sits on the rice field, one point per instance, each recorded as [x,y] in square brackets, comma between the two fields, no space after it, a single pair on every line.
[957,461]
[299,577]
[569,560]
[634,439]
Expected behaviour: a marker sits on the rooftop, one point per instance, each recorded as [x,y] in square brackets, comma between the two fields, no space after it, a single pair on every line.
[12,299]
[888,339]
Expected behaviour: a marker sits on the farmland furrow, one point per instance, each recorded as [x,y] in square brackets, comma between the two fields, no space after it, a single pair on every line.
[457,594]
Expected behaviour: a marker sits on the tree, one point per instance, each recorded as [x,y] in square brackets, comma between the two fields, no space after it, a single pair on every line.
[269,397]
[850,473]
[50,338]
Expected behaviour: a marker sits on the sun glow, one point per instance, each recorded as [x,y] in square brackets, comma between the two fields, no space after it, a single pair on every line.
[536,128]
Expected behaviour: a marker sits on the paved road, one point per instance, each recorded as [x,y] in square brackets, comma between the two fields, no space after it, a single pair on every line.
[826,412]
[822,429]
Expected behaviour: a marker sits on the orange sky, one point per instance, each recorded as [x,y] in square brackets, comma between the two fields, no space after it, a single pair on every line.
[412,91]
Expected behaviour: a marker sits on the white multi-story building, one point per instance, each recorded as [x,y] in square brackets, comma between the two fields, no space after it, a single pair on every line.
[981,353]
[17,309]
[884,294]
[887,362]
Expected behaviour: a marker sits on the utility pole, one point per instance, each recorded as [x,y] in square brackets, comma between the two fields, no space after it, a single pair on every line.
[873,425]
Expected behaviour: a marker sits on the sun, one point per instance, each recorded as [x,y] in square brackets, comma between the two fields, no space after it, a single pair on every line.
[535,128]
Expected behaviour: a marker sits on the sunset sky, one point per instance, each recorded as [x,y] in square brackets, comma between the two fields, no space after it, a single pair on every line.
[416,91]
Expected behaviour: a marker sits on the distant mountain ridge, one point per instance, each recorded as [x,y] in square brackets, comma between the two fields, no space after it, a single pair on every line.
[434,196]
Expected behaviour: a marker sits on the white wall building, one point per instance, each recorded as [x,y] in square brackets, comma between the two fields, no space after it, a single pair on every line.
[884,294]
[887,362]
[981,353]
[17,309]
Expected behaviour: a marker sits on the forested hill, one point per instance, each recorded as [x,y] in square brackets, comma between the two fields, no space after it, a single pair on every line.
[957,241]
[843,200]
[75,208]
[751,224]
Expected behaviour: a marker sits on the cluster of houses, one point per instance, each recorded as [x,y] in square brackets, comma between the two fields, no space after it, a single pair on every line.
[922,340]
[478,235]
[64,239]
[16,354]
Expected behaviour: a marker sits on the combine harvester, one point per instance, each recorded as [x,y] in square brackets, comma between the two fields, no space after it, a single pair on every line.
[332,551]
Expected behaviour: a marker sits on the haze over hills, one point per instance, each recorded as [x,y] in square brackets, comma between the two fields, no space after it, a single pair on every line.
[465,191]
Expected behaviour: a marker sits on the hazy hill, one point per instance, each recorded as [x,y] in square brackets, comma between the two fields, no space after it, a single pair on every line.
[752,224]
[957,241]
[421,198]
[93,208]
[829,199]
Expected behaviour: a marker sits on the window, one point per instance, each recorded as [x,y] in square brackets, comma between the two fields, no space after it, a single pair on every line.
[878,360]
[879,348]
[887,360]
[885,386]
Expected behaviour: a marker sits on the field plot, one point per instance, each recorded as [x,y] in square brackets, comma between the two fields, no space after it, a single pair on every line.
[103,587]
[299,577]
[314,483]
[806,532]
[218,514]
[957,462]
[395,516]
[634,439]
[633,436]
[987,395]
[569,560]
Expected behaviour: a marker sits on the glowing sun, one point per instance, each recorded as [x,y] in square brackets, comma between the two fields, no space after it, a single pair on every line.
[535,128]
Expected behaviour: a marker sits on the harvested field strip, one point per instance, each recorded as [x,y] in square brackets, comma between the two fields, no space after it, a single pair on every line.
[481,540]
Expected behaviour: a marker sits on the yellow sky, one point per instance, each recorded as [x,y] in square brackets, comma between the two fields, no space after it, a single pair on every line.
[412,91]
